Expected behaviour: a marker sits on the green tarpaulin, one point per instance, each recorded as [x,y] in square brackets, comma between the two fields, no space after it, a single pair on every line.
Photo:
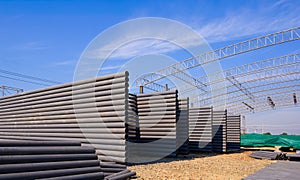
[259,140]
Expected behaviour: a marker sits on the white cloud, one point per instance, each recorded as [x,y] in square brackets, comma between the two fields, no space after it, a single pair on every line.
[141,37]
[64,63]
[143,47]
[241,23]
[245,22]
[34,45]
[105,68]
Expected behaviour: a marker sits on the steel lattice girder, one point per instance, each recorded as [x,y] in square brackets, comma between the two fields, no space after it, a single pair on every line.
[257,67]
[281,76]
[221,53]
[261,91]
[260,84]
[10,90]
[281,98]
[267,76]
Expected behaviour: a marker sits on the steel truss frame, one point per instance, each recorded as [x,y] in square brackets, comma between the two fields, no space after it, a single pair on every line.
[177,69]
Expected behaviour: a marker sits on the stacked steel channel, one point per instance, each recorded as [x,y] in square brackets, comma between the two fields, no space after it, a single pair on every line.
[24,159]
[182,126]
[112,169]
[219,127]
[133,132]
[132,122]
[233,133]
[156,126]
[90,111]
[200,129]
[125,174]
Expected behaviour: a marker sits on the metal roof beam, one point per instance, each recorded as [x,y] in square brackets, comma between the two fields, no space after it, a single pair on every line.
[228,51]
[271,102]
[241,87]
[8,88]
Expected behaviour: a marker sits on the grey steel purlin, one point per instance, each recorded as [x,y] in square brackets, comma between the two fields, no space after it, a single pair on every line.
[200,129]
[213,131]
[153,134]
[132,122]
[182,127]
[233,133]
[24,159]
[64,112]
[219,133]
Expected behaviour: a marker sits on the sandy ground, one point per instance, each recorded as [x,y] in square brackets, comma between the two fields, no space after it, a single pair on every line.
[202,166]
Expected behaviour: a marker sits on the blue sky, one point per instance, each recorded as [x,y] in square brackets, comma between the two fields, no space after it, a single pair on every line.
[46,38]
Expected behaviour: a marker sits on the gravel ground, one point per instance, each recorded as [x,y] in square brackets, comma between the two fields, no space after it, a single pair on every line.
[202,166]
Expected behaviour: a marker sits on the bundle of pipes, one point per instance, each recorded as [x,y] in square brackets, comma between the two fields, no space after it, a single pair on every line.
[23,159]
[182,127]
[92,111]
[125,174]
[132,122]
[110,168]
[66,160]
[211,130]
[153,134]
[200,129]
[268,155]
[122,127]
[219,131]
[293,157]
[233,133]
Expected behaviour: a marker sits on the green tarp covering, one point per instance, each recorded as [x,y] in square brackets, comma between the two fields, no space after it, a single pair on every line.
[259,140]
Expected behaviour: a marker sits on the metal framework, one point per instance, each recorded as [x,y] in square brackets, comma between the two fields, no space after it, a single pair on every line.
[156,87]
[282,101]
[221,53]
[250,107]
[237,84]
[6,90]
[272,83]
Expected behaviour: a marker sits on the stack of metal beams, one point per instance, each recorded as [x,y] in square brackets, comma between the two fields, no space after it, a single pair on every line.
[92,111]
[155,127]
[211,130]
[233,133]
[122,127]
[200,129]
[182,127]
[23,159]
[132,122]
[219,126]
[293,157]
[64,160]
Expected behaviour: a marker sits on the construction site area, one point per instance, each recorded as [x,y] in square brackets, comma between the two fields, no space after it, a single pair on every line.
[209,91]
[96,129]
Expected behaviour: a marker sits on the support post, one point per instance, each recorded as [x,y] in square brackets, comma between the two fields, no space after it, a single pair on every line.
[141,89]
[2,87]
